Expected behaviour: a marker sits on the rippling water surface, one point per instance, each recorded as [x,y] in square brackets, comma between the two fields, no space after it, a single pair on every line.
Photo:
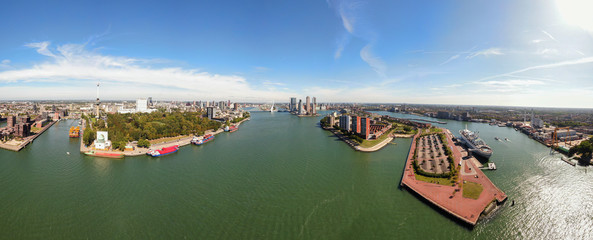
[277,177]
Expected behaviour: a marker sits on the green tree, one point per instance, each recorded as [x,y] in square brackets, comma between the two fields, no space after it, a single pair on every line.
[88,136]
[143,143]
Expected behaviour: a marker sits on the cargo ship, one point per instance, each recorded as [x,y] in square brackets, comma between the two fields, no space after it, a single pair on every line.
[74,132]
[475,143]
[202,140]
[163,151]
[104,154]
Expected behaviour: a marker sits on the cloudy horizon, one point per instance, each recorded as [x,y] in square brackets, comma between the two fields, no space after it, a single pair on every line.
[512,53]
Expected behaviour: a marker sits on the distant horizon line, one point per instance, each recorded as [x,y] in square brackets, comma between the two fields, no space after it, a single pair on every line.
[265,102]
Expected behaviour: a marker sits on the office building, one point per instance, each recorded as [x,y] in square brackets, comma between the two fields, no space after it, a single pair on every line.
[210,112]
[314,110]
[345,122]
[292,107]
[365,127]
[141,105]
[356,124]
[23,129]
[308,104]
[11,121]
[332,121]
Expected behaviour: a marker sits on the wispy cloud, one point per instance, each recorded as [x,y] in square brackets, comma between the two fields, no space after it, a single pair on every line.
[375,62]
[41,48]
[349,12]
[512,85]
[536,41]
[75,65]
[341,44]
[456,56]
[273,83]
[547,52]
[550,36]
[544,66]
[486,52]
[5,63]
[261,69]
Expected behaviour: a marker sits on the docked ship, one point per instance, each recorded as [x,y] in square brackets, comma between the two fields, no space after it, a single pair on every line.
[163,151]
[104,154]
[74,132]
[232,128]
[475,143]
[202,140]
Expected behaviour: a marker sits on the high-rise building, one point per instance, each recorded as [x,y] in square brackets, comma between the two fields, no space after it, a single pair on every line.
[345,122]
[150,102]
[11,121]
[356,124]
[365,127]
[292,107]
[23,129]
[141,105]
[314,110]
[210,112]
[236,107]
[301,111]
[308,105]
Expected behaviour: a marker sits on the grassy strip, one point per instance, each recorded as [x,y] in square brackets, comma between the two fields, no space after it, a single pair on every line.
[441,181]
[35,129]
[168,139]
[472,190]
[372,143]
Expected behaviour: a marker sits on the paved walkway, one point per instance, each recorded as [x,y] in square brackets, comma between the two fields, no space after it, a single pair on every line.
[376,147]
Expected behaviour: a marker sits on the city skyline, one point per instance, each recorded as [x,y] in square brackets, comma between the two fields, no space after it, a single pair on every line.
[513,53]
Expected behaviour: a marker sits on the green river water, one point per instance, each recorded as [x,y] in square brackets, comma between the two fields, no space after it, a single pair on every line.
[278,177]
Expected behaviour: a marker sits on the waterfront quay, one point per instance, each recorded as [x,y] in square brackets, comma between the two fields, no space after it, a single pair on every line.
[16,146]
[450,198]
[139,151]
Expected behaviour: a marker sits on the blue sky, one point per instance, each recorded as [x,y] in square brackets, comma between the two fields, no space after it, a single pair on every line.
[521,53]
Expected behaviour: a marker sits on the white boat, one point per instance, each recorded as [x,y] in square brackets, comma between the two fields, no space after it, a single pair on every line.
[475,143]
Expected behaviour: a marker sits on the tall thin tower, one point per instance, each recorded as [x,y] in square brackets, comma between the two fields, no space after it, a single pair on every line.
[97,103]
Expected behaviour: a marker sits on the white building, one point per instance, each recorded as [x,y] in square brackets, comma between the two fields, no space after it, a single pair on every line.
[102,141]
[345,122]
[141,105]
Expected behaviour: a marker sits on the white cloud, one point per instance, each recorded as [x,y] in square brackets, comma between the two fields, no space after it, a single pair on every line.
[450,59]
[545,66]
[375,62]
[536,41]
[273,83]
[347,21]
[5,63]
[547,51]
[41,48]
[486,53]
[513,85]
[73,65]
[550,36]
